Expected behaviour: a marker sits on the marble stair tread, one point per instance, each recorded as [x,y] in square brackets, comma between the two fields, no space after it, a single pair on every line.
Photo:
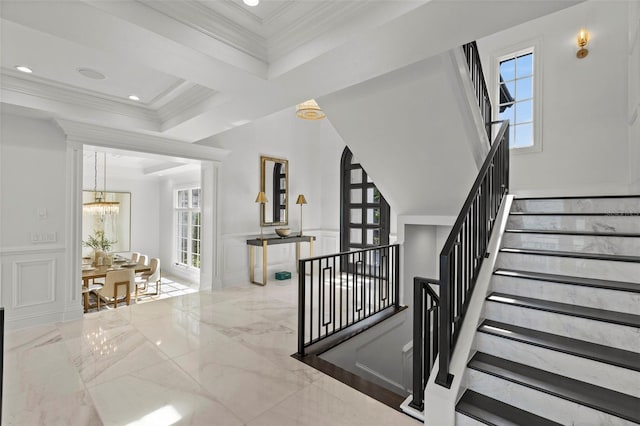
[574,233]
[601,353]
[613,317]
[608,401]
[573,254]
[567,279]
[493,412]
[599,204]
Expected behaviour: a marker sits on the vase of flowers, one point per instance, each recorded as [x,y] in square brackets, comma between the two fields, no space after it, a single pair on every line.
[98,242]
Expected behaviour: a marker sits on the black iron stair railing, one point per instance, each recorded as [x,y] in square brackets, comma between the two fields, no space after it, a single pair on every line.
[340,290]
[426,311]
[479,83]
[460,262]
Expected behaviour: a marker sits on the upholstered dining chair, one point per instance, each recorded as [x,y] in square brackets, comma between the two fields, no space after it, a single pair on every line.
[117,287]
[134,256]
[143,259]
[153,276]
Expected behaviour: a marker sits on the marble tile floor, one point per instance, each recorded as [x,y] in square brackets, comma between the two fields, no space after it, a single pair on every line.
[205,358]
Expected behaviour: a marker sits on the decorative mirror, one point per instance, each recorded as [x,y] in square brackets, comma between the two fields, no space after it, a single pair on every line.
[274,182]
[112,226]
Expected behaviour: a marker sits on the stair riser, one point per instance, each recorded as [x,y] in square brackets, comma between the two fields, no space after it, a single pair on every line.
[628,224]
[584,243]
[617,336]
[589,268]
[611,300]
[462,420]
[609,376]
[540,403]
[578,205]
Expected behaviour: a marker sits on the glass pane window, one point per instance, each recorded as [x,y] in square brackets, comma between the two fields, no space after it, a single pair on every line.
[365,213]
[188,227]
[517,73]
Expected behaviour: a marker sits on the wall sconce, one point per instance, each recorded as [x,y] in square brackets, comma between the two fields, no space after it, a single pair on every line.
[583,40]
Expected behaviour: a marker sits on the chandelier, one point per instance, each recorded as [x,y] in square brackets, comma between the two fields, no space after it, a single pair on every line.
[309,110]
[99,206]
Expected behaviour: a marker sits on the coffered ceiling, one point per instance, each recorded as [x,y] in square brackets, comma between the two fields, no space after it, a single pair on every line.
[200,67]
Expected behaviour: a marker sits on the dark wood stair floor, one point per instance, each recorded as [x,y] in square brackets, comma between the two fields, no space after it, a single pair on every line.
[615,403]
[493,412]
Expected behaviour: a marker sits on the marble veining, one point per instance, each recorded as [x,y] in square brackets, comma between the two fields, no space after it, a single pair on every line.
[605,375]
[204,358]
[579,205]
[627,224]
[540,403]
[600,332]
[581,243]
[599,298]
[576,267]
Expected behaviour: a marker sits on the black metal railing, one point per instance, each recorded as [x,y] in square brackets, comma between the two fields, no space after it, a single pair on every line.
[426,309]
[340,290]
[466,247]
[479,83]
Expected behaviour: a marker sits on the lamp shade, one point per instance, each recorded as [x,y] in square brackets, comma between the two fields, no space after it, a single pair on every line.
[261,198]
[301,199]
[309,110]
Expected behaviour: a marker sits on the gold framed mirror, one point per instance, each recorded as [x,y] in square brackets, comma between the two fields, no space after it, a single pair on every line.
[274,182]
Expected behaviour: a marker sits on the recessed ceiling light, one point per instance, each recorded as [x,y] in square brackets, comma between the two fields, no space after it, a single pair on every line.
[134,98]
[89,73]
[251,2]
[24,69]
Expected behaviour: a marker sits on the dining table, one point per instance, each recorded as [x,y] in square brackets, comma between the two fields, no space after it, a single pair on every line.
[90,273]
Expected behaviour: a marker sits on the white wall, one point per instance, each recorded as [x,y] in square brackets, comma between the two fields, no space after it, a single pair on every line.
[584,102]
[33,171]
[634,96]
[313,149]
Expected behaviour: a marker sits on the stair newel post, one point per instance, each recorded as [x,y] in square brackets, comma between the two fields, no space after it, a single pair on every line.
[418,310]
[301,305]
[396,276]
[444,378]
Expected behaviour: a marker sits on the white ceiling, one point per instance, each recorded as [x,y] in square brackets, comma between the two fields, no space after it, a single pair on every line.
[203,67]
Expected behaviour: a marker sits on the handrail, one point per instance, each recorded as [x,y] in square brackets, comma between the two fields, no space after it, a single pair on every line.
[466,247]
[426,309]
[479,83]
[344,289]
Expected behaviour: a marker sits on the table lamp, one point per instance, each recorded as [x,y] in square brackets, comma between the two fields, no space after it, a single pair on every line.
[301,200]
[262,199]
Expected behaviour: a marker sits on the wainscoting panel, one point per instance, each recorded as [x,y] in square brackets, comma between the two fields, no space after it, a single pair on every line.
[34,286]
[33,282]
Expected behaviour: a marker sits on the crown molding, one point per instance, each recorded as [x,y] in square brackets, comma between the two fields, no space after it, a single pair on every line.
[186,100]
[48,89]
[313,24]
[207,21]
[92,134]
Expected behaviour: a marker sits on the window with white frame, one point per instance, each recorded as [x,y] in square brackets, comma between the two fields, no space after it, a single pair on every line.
[517,81]
[188,226]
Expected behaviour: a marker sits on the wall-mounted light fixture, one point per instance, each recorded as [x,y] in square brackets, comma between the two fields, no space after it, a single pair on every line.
[583,40]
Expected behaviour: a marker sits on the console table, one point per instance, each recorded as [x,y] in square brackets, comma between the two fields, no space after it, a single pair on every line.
[269,241]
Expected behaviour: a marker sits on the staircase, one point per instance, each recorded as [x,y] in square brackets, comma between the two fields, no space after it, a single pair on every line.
[560,342]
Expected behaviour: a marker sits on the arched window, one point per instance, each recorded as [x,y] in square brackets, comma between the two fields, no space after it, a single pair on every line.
[364,211]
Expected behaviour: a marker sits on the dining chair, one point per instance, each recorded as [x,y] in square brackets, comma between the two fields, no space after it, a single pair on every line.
[134,256]
[117,287]
[153,276]
[143,259]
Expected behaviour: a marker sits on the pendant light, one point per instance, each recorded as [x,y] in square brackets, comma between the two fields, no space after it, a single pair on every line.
[99,206]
